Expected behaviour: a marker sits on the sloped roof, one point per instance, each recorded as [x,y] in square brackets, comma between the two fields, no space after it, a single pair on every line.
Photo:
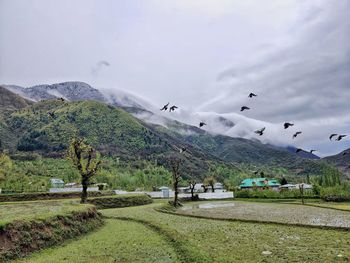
[259,182]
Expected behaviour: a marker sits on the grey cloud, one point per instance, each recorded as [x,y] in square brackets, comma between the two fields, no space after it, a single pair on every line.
[204,58]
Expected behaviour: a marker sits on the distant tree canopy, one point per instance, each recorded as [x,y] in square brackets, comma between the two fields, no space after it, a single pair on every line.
[330,177]
[283,181]
[210,181]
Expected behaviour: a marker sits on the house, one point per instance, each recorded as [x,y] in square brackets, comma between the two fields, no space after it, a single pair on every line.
[260,183]
[57,183]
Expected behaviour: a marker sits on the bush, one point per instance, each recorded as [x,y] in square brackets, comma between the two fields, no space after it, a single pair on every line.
[339,193]
[120,201]
[273,194]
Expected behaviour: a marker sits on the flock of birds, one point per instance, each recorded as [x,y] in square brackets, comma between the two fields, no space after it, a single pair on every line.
[260,132]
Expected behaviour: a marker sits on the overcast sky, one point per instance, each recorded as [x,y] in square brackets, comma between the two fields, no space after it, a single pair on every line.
[205,56]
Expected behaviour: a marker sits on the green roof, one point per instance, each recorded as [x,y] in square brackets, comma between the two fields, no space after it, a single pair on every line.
[259,182]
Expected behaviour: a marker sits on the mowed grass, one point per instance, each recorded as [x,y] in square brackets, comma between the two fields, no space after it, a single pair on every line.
[37,209]
[117,241]
[142,234]
[269,212]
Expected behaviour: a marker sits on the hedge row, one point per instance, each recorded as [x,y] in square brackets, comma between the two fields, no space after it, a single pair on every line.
[273,194]
[120,201]
[47,196]
[19,238]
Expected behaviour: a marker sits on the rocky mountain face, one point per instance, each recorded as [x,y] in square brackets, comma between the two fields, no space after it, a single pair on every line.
[71,91]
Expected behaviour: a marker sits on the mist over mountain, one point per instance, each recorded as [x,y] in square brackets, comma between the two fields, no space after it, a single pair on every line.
[229,124]
[115,132]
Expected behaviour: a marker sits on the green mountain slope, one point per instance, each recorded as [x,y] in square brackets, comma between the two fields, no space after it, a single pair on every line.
[243,151]
[47,127]
[341,160]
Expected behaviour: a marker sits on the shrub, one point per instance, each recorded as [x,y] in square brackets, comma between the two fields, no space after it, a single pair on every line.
[339,193]
[120,201]
[295,193]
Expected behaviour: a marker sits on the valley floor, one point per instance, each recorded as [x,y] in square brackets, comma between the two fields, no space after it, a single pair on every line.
[143,234]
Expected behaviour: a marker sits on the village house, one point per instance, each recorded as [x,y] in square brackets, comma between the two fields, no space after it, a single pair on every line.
[260,183]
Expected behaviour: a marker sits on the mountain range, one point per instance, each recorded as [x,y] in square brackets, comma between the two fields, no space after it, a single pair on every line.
[122,124]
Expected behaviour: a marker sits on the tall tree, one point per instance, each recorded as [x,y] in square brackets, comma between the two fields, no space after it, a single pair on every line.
[87,162]
[175,162]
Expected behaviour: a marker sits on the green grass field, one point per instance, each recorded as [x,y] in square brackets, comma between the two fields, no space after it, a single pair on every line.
[37,209]
[142,234]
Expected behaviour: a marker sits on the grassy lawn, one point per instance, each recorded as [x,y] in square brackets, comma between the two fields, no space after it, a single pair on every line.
[37,209]
[271,212]
[117,241]
[141,234]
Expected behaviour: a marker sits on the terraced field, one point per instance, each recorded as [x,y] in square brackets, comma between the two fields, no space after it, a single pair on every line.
[143,234]
[37,209]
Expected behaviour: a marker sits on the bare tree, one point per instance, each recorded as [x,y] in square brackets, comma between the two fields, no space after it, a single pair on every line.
[85,160]
[192,186]
[175,163]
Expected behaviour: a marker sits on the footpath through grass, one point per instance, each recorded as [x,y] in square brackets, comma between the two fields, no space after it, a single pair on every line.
[141,234]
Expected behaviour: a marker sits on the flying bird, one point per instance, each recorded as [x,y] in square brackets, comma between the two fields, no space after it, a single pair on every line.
[313,151]
[332,135]
[340,137]
[251,95]
[244,108]
[183,149]
[172,108]
[287,125]
[296,134]
[345,153]
[165,107]
[51,114]
[299,150]
[261,131]
[61,99]
[201,124]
